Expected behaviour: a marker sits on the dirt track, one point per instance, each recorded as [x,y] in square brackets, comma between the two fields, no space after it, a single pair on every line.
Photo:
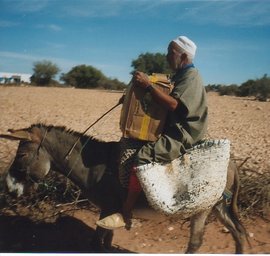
[244,121]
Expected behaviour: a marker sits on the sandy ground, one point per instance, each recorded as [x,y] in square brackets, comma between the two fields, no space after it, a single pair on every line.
[244,121]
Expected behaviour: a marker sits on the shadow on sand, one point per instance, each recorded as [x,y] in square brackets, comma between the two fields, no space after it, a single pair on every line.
[65,235]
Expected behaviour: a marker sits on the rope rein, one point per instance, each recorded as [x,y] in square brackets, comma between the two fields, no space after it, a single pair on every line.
[83,146]
[74,145]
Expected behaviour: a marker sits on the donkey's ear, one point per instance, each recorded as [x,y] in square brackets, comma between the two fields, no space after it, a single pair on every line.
[17,135]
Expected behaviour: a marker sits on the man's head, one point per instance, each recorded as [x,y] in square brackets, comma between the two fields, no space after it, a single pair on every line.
[181,51]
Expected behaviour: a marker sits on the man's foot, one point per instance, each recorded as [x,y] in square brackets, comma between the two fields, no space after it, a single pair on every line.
[111,222]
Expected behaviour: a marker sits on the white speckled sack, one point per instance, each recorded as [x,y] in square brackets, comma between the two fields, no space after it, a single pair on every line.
[190,184]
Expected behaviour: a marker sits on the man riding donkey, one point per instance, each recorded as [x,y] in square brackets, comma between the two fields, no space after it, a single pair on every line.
[185,124]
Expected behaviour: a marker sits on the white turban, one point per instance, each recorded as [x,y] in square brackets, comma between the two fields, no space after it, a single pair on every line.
[186,45]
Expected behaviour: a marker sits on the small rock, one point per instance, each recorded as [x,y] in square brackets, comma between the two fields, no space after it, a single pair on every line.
[136,223]
[251,234]
[170,228]
[225,230]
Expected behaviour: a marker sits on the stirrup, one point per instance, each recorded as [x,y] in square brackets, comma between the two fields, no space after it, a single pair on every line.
[111,222]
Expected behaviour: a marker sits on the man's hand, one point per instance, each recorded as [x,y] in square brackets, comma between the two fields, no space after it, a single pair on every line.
[121,100]
[141,79]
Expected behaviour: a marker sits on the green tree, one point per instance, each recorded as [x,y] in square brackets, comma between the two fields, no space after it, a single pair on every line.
[112,84]
[259,88]
[213,87]
[151,63]
[44,73]
[263,88]
[228,90]
[247,88]
[83,76]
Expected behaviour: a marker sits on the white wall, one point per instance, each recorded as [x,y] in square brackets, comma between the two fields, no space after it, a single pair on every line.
[24,77]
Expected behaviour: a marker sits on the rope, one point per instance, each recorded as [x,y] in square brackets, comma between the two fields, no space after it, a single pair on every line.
[74,145]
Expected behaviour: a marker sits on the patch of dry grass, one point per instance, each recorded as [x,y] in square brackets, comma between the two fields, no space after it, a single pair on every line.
[254,196]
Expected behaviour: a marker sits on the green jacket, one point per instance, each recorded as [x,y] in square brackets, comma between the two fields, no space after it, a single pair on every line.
[186,125]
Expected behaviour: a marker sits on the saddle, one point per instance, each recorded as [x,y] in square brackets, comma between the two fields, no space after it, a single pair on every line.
[190,184]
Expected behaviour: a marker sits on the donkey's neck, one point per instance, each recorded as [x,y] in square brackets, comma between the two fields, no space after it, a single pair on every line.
[86,163]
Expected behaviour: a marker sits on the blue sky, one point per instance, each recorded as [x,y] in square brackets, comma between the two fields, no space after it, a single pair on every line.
[233,37]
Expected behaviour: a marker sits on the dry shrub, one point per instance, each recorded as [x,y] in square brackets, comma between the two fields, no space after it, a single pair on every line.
[53,196]
[254,196]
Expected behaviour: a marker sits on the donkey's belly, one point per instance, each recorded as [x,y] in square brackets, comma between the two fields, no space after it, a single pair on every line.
[190,184]
[148,213]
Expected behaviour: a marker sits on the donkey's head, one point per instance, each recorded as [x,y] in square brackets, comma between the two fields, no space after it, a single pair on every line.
[32,162]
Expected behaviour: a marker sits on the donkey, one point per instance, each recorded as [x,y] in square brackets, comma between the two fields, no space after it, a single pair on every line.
[93,166]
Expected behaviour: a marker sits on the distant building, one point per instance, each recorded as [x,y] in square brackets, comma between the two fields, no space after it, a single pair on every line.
[11,78]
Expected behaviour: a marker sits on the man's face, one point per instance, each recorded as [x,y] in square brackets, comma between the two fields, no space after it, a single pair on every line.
[174,56]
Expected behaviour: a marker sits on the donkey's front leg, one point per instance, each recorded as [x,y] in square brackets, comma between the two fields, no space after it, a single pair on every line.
[197,224]
[102,240]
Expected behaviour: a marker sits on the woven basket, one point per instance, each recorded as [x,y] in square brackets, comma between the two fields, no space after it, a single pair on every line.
[190,184]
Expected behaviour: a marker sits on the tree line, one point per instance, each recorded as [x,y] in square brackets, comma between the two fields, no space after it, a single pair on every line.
[86,76]
[81,76]
[259,88]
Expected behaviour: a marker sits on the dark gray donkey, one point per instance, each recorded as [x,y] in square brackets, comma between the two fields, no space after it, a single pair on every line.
[92,165]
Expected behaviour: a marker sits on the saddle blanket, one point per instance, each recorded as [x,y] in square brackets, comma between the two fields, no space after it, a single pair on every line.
[190,184]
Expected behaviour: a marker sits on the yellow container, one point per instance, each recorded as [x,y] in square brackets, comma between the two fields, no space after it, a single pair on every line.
[141,117]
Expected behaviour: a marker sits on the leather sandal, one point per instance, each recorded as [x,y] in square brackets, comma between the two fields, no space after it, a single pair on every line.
[112,222]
